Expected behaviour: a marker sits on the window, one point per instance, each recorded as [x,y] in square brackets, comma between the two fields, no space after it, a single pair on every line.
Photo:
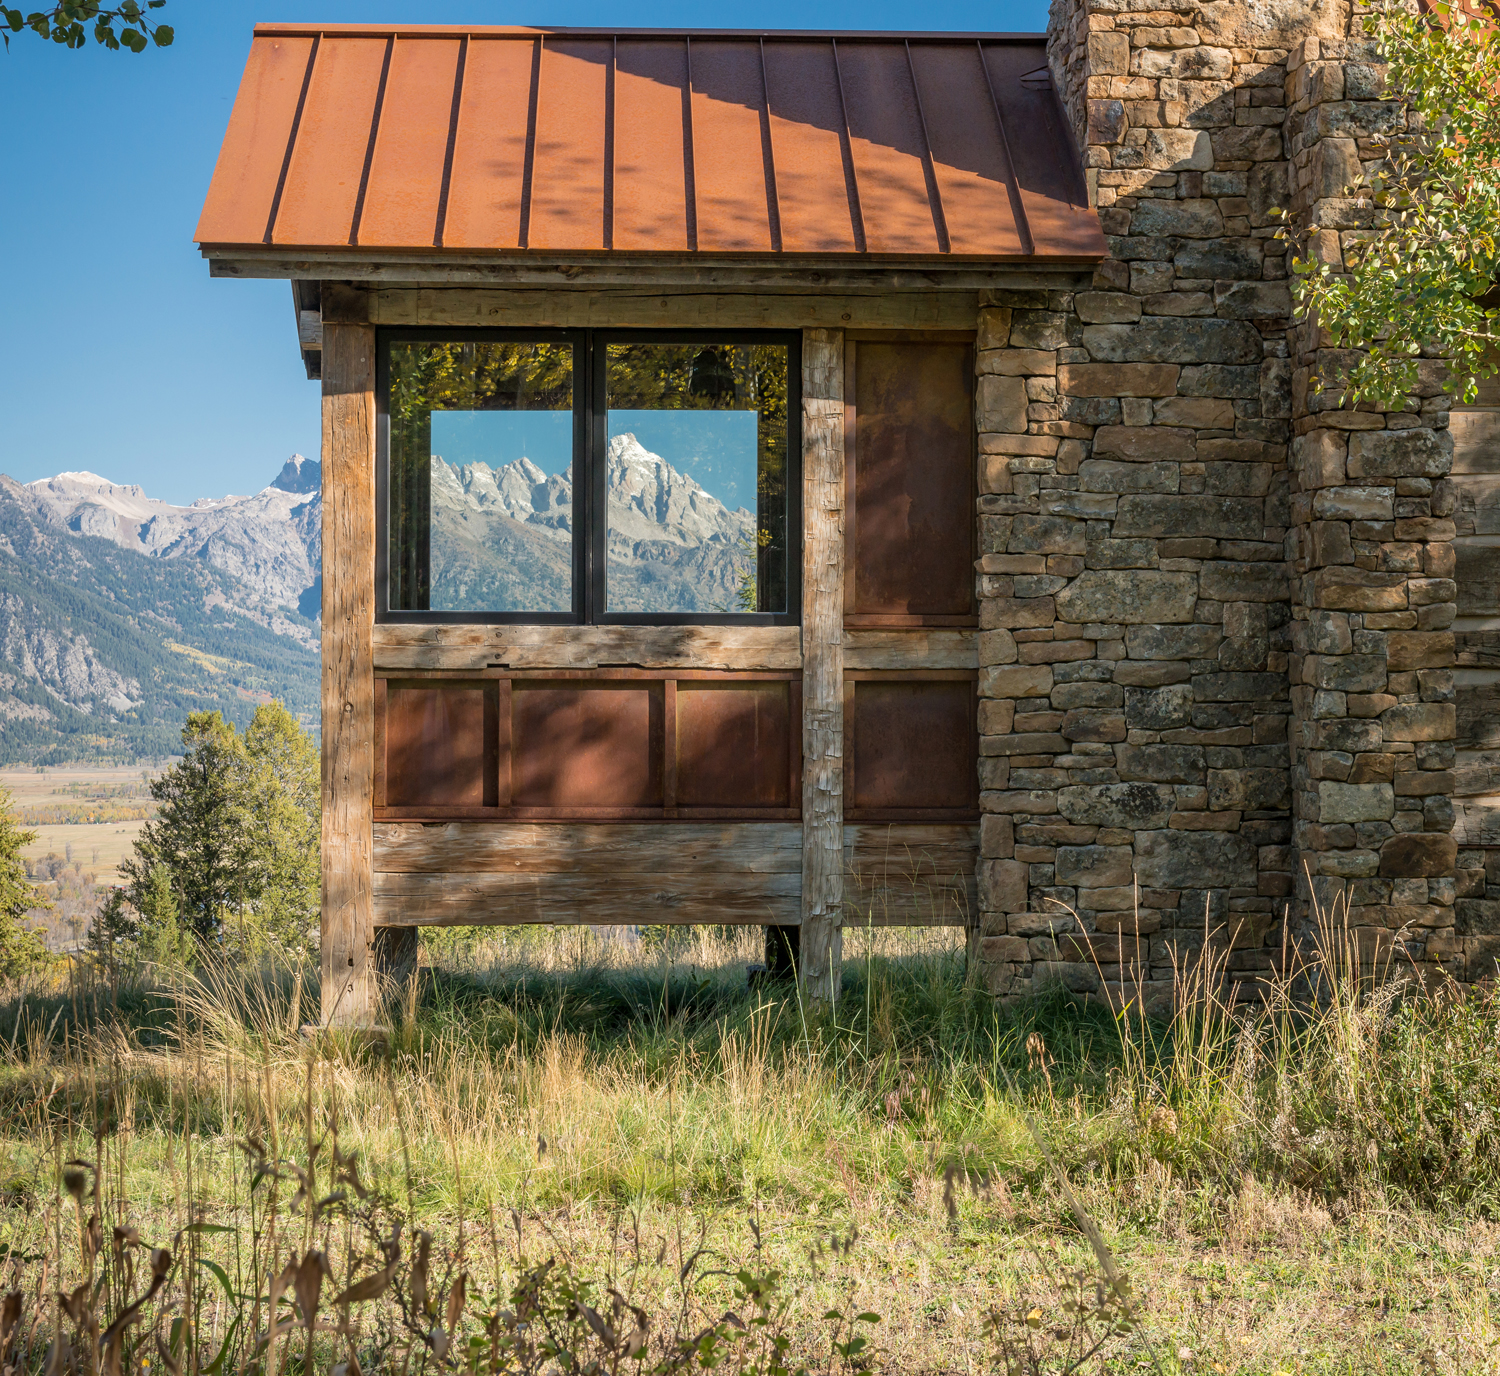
[584,476]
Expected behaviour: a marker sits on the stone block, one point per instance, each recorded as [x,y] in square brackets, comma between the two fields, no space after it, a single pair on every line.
[1038,330]
[1170,859]
[1128,805]
[1106,307]
[1248,789]
[1128,596]
[1161,764]
[1223,518]
[1001,404]
[1093,867]
[1354,503]
[1117,379]
[1238,687]
[1355,802]
[1195,641]
[995,949]
[1419,721]
[1200,413]
[1346,673]
[996,716]
[1150,673]
[1344,588]
[1109,53]
[1220,380]
[1416,453]
[1159,709]
[1017,362]
[1147,442]
[1178,150]
[1016,681]
[1220,259]
[1002,885]
[1113,475]
[1162,339]
[1190,64]
[1093,506]
[1419,649]
[1226,580]
[1093,724]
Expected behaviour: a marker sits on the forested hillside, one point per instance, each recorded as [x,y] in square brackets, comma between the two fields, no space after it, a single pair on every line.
[103,651]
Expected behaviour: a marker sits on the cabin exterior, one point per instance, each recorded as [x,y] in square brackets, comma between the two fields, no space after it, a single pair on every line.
[1057,605]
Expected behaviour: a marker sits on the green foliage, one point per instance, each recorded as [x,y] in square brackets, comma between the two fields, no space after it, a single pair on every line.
[20,947]
[64,24]
[113,935]
[1418,284]
[234,843]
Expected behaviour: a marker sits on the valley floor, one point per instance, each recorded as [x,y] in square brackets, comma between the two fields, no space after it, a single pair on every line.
[630,1106]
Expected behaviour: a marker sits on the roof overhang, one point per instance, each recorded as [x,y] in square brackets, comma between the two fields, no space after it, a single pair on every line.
[573,158]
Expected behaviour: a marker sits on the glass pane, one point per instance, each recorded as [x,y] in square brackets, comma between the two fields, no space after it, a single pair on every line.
[697,478]
[481,477]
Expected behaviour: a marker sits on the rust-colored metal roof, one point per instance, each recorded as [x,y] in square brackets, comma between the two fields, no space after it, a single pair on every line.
[723,143]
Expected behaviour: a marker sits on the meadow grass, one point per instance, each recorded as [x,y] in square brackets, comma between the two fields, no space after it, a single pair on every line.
[1302,1186]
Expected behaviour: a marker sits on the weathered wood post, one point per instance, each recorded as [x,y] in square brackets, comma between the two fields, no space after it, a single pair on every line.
[348,927]
[822,660]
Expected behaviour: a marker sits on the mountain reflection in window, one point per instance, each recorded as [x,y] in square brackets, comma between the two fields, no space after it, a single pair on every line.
[696,478]
[481,477]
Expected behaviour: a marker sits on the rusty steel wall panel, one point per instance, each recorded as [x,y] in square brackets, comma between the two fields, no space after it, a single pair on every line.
[567,183]
[733,744]
[913,747]
[243,191]
[405,189]
[911,479]
[649,208]
[586,745]
[486,187]
[729,146]
[440,746]
[597,141]
[323,178]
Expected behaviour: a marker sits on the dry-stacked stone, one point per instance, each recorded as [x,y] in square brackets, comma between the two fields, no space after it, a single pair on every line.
[1214,605]
[1372,563]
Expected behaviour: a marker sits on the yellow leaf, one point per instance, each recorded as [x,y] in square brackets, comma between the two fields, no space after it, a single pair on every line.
[1034,1319]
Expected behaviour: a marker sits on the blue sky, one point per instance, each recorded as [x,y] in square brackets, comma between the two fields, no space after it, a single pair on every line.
[120,355]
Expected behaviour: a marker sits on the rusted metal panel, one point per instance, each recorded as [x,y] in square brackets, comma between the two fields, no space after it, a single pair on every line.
[733,741]
[487,182]
[595,745]
[730,143]
[911,747]
[909,541]
[888,147]
[649,208]
[320,199]
[1049,172]
[404,195]
[969,158]
[242,194]
[567,183]
[440,744]
[817,202]
[596,141]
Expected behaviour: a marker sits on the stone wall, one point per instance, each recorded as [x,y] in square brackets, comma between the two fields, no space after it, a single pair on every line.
[1215,659]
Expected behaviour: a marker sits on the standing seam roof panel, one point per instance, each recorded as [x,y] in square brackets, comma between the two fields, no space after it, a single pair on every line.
[248,172]
[567,180]
[650,182]
[489,146]
[729,169]
[411,146]
[574,141]
[327,168]
[807,142]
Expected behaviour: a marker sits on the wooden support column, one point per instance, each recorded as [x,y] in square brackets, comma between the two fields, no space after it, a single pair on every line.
[822,661]
[348,928]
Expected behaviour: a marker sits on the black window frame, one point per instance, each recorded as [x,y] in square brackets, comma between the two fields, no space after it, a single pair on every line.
[590,441]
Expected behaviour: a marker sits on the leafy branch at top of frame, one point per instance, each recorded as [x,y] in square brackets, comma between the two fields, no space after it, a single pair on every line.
[1404,269]
[66,23]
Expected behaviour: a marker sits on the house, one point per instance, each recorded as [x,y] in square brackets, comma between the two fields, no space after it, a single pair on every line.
[807,478]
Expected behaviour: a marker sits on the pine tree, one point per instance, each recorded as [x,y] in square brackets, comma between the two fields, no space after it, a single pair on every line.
[114,934]
[164,941]
[21,948]
[198,834]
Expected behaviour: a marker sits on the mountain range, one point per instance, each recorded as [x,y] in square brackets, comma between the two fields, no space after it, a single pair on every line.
[120,613]
[502,537]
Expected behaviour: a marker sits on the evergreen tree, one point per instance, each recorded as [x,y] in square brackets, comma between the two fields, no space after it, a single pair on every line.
[21,948]
[164,941]
[114,934]
[280,798]
[198,834]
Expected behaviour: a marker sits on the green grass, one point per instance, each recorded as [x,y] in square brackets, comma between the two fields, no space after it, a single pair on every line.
[1300,1189]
